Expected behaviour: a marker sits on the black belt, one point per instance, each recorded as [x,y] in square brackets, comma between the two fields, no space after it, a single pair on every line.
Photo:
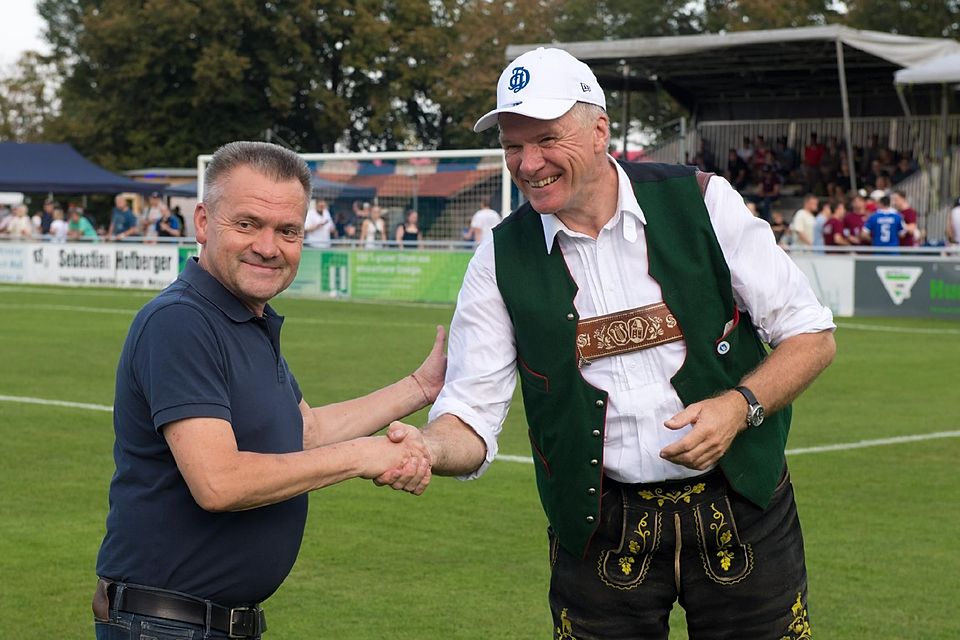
[236,622]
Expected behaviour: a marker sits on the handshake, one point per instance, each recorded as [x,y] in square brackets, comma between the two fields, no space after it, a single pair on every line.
[403,461]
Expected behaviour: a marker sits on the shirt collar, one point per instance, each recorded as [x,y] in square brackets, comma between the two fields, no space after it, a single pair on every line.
[628,211]
[218,295]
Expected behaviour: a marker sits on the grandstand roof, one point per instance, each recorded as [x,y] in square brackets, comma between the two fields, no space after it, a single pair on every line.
[777,73]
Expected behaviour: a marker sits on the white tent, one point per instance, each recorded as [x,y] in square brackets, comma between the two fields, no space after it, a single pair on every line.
[945,69]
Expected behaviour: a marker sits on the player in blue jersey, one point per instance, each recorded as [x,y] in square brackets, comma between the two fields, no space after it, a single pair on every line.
[884,228]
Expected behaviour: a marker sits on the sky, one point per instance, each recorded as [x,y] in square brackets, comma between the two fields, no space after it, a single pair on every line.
[20,30]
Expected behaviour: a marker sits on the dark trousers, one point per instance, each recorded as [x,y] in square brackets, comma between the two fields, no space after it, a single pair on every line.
[737,570]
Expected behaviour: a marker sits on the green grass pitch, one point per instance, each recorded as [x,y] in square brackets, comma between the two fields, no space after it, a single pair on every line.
[468,560]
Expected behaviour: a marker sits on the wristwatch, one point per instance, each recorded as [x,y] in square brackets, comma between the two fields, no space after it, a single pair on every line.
[754,408]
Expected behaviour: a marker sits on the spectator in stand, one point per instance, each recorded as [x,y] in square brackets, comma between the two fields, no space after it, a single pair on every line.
[871,153]
[830,163]
[737,173]
[841,180]
[319,227]
[953,225]
[786,158]
[760,150]
[167,226]
[20,226]
[5,215]
[123,222]
[768,190]
[408,232]
[705,159]
[745,152]
[58,226]
[482,222]
[911,235]
[904,169]
[833,227]
[79,227]
[803,221]
[152,214]
[175,212]
[779,226]
[812,156]
[885,227]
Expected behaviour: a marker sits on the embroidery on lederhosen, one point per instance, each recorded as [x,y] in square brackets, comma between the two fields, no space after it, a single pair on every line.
[673,496]
[800,627]
[626,567]
[725,559]
[565,630]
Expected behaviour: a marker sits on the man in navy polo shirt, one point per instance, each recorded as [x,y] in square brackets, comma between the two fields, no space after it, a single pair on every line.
[215,446]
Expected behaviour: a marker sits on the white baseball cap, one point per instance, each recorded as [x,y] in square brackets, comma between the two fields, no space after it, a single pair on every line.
[543,84]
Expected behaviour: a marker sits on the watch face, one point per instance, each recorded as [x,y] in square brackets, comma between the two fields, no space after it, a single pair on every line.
[756,416]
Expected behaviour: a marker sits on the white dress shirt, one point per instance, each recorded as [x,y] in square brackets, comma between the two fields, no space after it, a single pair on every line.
[611,274]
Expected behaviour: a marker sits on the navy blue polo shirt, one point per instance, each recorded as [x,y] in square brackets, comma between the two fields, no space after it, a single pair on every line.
[196,351]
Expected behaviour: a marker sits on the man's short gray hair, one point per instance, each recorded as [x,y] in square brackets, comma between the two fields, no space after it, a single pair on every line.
[273,161]
[586,114]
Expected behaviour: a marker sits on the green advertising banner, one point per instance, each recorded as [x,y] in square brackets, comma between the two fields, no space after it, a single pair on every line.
[408,276]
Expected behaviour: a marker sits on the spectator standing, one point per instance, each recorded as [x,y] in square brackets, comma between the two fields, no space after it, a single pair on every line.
[786,157]
[408,232]
[58,226]
[885,227]
[769,188]
[820,220]
[854,220]
[482,222]
[779,227]
[167,226]
[152,214]
[745,152]
[953,225]
[318,227]
[911,236]
[373,229]
[46,217]
[79,227]
[803,222]
[20,226]
[833,227]
[123,222]
[903,171]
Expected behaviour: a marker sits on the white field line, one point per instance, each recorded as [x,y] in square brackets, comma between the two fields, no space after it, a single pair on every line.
[131,312]
[888,329]
[845,446]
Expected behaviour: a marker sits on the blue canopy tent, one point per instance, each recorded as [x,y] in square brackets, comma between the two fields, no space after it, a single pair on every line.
[59,168]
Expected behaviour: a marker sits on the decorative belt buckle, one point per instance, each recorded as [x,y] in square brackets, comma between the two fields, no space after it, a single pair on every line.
[238,619]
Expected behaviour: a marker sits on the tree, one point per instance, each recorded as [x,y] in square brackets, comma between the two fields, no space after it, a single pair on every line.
[749,15]
[930,18]
[28,99]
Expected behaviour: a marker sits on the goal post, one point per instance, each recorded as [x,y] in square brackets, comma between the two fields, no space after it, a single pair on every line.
[445,187]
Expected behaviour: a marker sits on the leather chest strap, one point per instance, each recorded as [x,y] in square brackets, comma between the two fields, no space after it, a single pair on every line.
[626,331]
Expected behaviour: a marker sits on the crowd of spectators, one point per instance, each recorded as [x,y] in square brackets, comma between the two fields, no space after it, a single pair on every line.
[767,175]
[55,224]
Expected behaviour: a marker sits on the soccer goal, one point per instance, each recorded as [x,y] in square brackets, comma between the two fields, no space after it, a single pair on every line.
[445,187]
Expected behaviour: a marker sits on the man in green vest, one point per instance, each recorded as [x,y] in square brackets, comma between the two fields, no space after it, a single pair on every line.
[635,302]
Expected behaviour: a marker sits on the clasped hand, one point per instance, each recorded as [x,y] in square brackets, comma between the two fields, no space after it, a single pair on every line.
[413,471]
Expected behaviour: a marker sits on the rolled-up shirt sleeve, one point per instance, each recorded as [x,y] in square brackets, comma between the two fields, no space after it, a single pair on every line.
[766,281]
[481,357]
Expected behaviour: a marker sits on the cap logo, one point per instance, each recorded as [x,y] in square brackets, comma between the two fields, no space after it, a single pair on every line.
[584,87]
[519,79]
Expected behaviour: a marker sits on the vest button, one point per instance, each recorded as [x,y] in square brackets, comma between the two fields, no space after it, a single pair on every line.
[589,518]
[594,462]
[591,491]
[596,433]
[723,347]
[570,316]
[599,403]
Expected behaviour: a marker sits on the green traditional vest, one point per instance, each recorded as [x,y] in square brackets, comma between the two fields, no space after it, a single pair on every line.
[566,415]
